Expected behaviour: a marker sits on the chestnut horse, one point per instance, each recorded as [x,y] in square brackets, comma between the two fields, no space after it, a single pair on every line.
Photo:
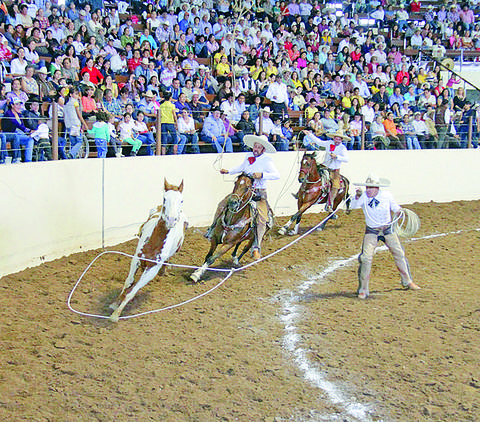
[314,189]
[234,224]
[161,236]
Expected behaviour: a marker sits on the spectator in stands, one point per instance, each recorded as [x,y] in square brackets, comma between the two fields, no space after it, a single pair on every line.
[214,132]
[111,105]
[143,133]
[408,131]
[89,105]
[421,130]
[127,133]
[74,122]
[267,123]
[187,132]
[391,132]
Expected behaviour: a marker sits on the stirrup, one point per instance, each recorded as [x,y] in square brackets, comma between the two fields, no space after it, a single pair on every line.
[295,195]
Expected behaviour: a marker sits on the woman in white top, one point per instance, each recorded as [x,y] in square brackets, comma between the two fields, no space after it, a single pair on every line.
[31,56]
[144,135]
[188,134]
[128,132]
[18,65]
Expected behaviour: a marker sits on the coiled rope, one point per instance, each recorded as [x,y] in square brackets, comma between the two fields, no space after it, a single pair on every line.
[407,223]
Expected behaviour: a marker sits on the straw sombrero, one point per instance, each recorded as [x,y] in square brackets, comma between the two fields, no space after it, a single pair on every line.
[249,140]
[339,134]
[373,181]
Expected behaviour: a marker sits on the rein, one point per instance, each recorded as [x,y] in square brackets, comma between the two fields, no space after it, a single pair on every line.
[245,203]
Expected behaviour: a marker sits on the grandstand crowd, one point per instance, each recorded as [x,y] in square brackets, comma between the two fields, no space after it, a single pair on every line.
[213,72]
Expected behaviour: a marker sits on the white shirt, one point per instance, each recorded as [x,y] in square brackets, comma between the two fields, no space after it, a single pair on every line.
[420,127]
[340,151]
[368,113]
[277,92]
[378,214]
[185,126]
[267,125]
[262,164]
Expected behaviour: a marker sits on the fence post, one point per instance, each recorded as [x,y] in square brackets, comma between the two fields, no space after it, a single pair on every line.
[54,131]
[362,145]
[470,130]
[158,129]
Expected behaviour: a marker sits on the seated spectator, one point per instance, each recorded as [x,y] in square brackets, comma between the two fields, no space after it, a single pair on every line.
[214,132]
[95,76]
[127,133]
[408,133]
[391,132]
[187,132]
[420,129]
[19,64]
[111,105]
[143,133]
[16,132]
[89,105]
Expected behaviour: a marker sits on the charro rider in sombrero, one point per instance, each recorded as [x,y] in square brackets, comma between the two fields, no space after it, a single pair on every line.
[335,155]
[378,206]
[261,167]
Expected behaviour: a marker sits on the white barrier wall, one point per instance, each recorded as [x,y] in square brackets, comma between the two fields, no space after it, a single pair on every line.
[53,209]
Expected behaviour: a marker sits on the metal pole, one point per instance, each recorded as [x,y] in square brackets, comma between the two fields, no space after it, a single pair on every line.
[470,130]
[362,145]
[158,128]
[260,122]
[55,131]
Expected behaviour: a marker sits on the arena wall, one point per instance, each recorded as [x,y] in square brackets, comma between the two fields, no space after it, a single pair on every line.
[53,209]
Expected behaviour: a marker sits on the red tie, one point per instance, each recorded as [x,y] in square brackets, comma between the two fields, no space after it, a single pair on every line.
[332,147]
[251,160]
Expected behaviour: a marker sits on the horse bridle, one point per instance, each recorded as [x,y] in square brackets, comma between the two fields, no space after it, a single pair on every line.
[250,191]
[302,169]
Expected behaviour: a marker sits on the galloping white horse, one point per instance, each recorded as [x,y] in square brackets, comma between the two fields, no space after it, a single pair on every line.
[161,236]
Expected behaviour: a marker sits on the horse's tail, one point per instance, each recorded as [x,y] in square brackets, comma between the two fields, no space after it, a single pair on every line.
[347,195]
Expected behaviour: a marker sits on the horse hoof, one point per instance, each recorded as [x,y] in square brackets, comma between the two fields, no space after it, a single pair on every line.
[334,217]
[195,278]
[320,228]
[113,317]
[235,261]
[292,233]
[282,231]
[114,306]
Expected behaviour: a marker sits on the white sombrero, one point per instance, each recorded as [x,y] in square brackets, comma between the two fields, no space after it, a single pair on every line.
[373,181]
[249,140]
[339,134]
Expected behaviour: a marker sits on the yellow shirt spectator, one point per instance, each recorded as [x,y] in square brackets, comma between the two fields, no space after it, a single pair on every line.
[167,112]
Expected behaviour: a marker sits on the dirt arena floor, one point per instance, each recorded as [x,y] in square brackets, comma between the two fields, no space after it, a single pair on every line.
[398,356]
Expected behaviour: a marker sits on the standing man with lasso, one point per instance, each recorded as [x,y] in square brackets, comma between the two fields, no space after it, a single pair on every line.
[377,206]
[260,166]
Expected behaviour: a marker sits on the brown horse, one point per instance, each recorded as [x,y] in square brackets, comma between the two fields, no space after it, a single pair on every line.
[314,189]
[234,224]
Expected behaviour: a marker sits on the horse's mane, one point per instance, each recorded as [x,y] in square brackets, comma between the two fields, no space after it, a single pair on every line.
[249,176]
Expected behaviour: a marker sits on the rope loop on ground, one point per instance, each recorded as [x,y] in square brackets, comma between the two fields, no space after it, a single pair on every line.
[229,271]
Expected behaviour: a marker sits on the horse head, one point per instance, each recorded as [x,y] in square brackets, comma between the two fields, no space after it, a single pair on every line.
[242,192]
[307,165]
[172,203]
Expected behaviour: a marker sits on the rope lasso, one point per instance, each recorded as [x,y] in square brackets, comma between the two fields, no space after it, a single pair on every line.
[230,272]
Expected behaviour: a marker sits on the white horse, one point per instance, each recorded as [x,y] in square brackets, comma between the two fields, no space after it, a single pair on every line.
[161,236]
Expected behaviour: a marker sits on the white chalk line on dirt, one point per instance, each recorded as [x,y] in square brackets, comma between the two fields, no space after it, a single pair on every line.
[291,315]
[230,272]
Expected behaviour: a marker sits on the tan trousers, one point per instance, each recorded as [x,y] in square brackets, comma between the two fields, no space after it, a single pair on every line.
[370,241]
